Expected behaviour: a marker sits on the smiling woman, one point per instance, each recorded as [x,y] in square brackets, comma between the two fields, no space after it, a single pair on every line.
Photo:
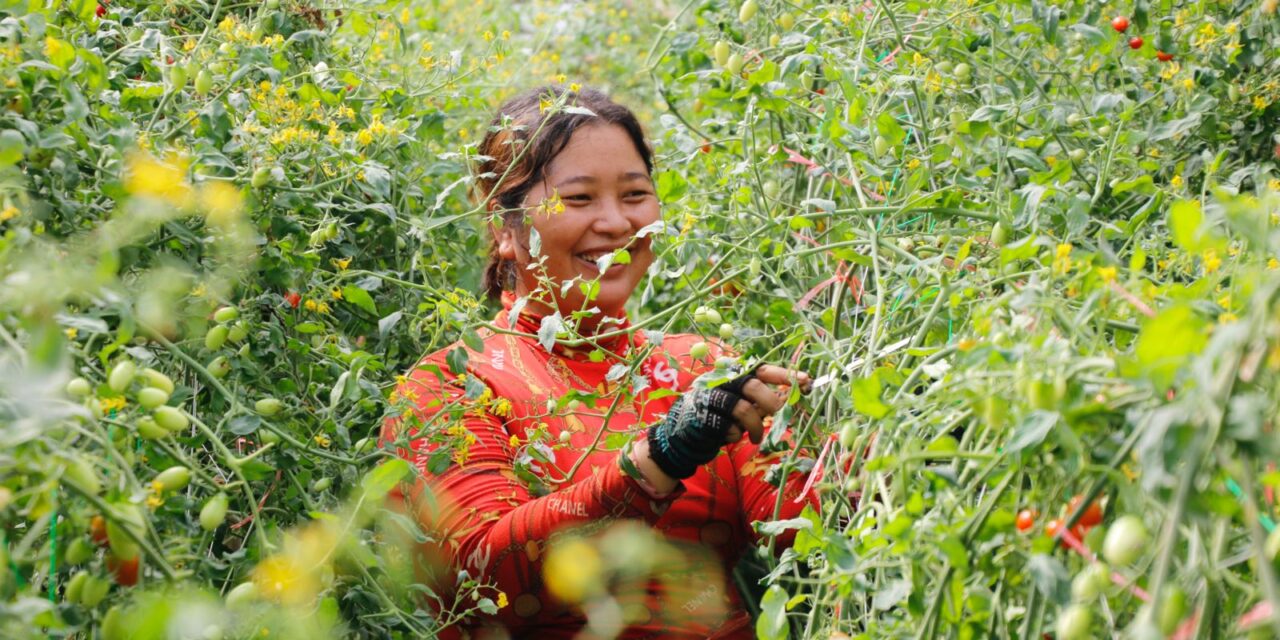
[532,453]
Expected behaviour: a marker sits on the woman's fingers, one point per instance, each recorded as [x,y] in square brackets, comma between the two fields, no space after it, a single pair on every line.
[763,396]
[749,418]
[782,376]
[734,434]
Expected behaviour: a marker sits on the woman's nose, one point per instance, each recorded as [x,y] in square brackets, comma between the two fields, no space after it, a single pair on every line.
[611,218]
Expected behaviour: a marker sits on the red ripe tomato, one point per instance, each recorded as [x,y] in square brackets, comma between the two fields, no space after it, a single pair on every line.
[1051,530]
[125,571]
[1135,42]
[1164,57]
[101,11]
[98,531]
[706,148]
[1026,519]
[1091,517]
[293,298]
[1120,23]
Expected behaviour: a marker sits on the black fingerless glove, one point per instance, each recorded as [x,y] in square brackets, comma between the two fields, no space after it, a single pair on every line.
[696,427]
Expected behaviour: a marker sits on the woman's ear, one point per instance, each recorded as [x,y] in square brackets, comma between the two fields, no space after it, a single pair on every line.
[504,236]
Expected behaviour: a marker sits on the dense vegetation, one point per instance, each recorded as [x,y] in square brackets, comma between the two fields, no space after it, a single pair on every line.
[1030,249]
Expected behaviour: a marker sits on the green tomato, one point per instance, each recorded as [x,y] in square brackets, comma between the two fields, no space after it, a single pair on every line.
[94,591]
[268,436]
[219,367]
[113,624]
[79,388]
[786,21]
[1077,155]
[149,429]
[226,314]
[849,434]
[1091,582]
[79,551]
[963,72]
[80,473]
[321,484]
[122,545]
[1074,623]
[171,418]
[204,82]
[238,332]
[268,406]
[243,594]
[1000,235]
[1173,606]
[177,76]
[122,375]
[1074,119]
[1125,541]
[880,146]
[748,10]
[726,331]
[706,315]
[363,444]
[174,478]
[734,64]
[151,397]
[215,337]
[699,351]
[261,177]
[214,512]
[720,52]
[153,378]
[1104,130]
[75,587]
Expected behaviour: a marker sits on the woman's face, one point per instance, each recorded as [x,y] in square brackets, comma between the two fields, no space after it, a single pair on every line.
[608,197]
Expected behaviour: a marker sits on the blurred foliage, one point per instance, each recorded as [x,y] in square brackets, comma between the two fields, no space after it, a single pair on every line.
[1027,259]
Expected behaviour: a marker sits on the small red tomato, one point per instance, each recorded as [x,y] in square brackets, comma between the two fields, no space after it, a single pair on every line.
[822,91]
[125,571]
[706,148]
[293,298]
[98,531]
[101,11]
[1163,56]
[1091,516]
[168,59]
[1120,23]
[1026,519]
[1135,42]
[1051,529]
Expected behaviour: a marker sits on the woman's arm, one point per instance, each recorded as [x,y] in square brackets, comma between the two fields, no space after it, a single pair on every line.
[486,519]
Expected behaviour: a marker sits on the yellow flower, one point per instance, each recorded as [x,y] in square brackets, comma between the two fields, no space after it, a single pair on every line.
[506,35]
[341,264]
[365,138]
[1273,264]
[336,293]
[1211,261]
[513,441]
[154,501]
[322,440]
[149,177]
[1062,258]
[1259,103]
[1272,184]
[502,599]
[71,332]
[488,36]
[500,407]
[573,571]
[221,202]
[8,213]
[309,305]
[1108,274]
[913,163]
[560,78]
[1227,317]
[575,87]
[1176,181]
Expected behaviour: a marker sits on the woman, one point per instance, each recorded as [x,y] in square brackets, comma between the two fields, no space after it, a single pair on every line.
[524,446]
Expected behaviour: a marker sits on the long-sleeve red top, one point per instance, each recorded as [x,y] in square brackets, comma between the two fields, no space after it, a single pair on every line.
[491,445]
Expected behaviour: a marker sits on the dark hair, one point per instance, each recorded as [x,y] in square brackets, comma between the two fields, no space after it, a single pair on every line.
[514,159]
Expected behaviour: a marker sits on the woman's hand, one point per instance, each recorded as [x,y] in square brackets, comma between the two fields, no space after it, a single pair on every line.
[704,420]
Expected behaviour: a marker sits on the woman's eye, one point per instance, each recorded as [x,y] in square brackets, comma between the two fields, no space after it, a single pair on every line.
[637,194]
[578,197]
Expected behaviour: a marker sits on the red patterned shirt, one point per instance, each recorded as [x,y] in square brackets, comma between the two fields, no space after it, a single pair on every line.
[496,463]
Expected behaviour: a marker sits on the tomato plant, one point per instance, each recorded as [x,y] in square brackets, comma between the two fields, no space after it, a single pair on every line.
[1019,266]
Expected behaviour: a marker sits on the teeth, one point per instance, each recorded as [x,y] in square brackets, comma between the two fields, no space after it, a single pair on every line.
[591,257]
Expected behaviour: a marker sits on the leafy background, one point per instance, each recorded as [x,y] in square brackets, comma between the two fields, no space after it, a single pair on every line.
[1027,260]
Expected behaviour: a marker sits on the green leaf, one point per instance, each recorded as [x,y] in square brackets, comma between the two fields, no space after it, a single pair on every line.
[359,297]
[1185,218]
[888,127]
[772,623]
[383,478]
[1032,430]
[1167,342]
[12,147]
